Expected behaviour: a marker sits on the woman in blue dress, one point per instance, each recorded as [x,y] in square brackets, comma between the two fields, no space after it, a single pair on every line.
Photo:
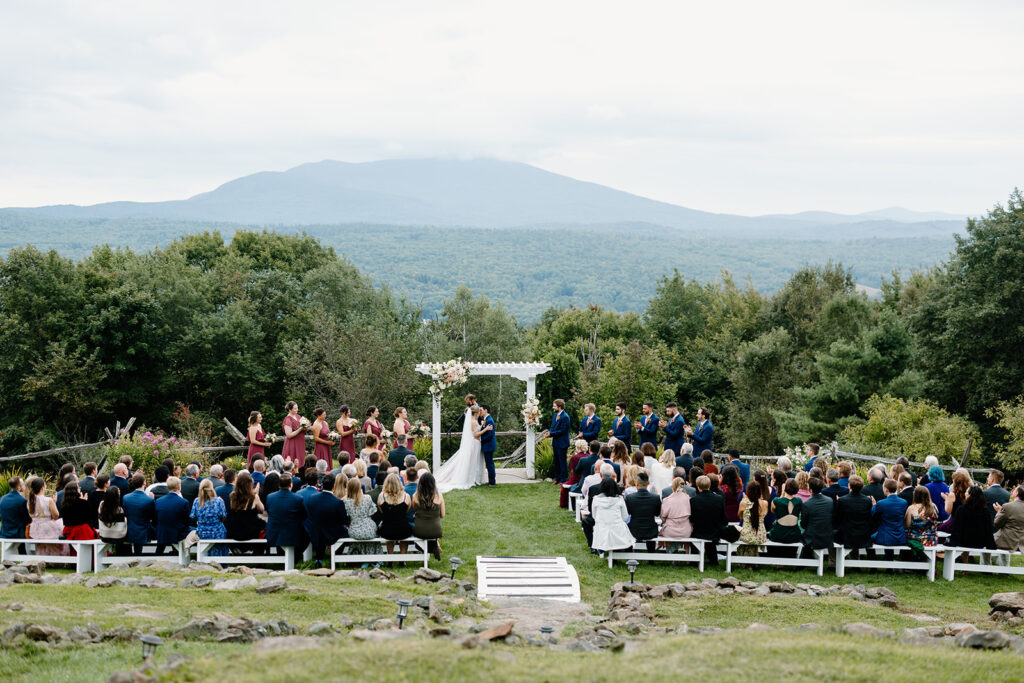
[209,512]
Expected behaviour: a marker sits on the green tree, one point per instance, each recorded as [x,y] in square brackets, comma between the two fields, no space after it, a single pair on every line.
[634,374]
[761,379]
[1009,416]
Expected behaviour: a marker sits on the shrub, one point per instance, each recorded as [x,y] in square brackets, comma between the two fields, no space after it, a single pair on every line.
[424,449]
[6,475]
[148,449]
[544,460]
[1010,416]
[235,462]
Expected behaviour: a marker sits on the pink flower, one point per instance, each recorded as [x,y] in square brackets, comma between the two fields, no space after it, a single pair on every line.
[156,452]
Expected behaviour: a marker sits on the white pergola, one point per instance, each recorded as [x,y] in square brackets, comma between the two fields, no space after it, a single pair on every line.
[526,372]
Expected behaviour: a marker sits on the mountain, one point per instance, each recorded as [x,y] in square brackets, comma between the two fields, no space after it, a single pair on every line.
[893,213]
[481,193]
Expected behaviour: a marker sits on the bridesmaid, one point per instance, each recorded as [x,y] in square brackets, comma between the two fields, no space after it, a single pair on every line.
[322,445]
[257,439]
[372,424]
[294,437]
[402,426]
[346,428]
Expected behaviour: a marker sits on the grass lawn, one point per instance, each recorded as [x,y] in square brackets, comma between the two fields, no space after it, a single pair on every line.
[518,520]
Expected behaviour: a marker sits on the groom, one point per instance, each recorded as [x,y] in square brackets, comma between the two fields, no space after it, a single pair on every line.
[488,440]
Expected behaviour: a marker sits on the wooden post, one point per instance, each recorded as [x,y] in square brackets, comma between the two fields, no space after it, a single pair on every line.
[436,432]
[531,435]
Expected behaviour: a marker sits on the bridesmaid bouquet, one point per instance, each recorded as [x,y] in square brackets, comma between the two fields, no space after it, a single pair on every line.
[304,423]
[270,438]
[386,436]
[420,429]
[334,436]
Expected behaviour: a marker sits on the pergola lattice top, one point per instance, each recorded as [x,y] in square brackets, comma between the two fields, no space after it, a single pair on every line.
[521,371]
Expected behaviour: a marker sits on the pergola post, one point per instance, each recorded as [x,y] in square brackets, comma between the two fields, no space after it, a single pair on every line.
[435,433]
[531,433]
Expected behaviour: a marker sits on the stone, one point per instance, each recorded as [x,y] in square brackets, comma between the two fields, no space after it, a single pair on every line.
[43,632]
[713,583]
[759,627]
[345,622]
[286,643]
[677,589]
[197,628]
[786,587]
[1004,602]
[659,592]
[861,629]
[497,632]
[37,567]
[121,634]
[383,624]
[15,607]
[319,628]
[730,581]
[272,585]
[987,640]
[750,584]
[763,589]
[378,574]
[958,627]
[724,591]
[427,574]
[28,578]
[248,582]
[81,634]
[923,632]
[470,642]
[441,632]
[226,585]
[322,571]
[367,635]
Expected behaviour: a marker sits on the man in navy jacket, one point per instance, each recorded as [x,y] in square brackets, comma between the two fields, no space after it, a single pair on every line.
[559,433]
[327,517]
[647,425]
[703,433]
[744,468]
[172,516]
[140,510]
[622,428]
[590,425]
[14,515]
[675,429]
[285,515]
[120,478]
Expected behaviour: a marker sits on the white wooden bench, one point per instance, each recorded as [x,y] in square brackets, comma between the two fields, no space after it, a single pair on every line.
[951,561]
[575,507]
[640,552]
[102,560]
[418,550]
[850,558]
[205,545]
[817,562]
[82,559]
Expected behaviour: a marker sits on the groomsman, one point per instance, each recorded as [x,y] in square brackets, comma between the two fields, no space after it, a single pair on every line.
[590,425]
[622,428]
[559,433]
[704,432]
[675,429]
[647,425]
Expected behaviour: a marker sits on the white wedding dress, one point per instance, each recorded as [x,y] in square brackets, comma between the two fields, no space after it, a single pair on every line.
[465,468]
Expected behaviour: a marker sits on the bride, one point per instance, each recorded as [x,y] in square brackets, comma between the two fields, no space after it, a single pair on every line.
[465,468]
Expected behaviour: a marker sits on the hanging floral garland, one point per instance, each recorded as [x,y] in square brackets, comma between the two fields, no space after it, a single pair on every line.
[446,375]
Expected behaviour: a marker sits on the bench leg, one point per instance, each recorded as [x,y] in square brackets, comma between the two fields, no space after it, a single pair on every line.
[728,557]
[700,556]
[182,554]
[822,556]
[931,564]
[289,558]
[840,562]
[611,558]
[948,563]
[83,561]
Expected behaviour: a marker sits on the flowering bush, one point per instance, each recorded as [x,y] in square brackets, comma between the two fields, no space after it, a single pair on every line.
[149,449]
[448,374]
[798,455]
[531,412]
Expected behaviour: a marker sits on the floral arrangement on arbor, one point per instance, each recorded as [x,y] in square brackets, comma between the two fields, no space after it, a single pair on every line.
[531,412]
[420,429]
[446,375]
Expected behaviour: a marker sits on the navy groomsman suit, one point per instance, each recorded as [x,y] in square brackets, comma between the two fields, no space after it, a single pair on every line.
[559,433]
[648,429]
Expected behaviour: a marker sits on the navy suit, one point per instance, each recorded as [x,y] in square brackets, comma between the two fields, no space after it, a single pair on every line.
[675,435]
[559,433]
[590,428]
[622,429]
[327,518]
[121,483]
[224,493]
[14,515]
[172,520]
[702,435]
[890,512]
[489,444]
[744,469]
[285,515]
[140,511]
[304,493]
[649,429]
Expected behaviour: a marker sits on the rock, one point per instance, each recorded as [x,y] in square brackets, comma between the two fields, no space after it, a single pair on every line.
[772,586]
[42,632]
[427,574]
[759,627]
[271,585]
[436,614]
[958,627]
[37,567]
[319,628]
[248,582]
[987,640]
[470,642]
[322,571]
[440,631]
[28,578]
[345,622]
[856,595]
[226,585]
[1007,602]
[677,589]
[713,583]
[81,634]
[750,584]
[15,607]
[13,631]
[786,587]
[497,632]
[861,629]
[379,574]
[286,643]
[659,592]
[923,632]
[730,581]
[763,589]
[363,634]
[724,591]
[383,624]
[197,628]
[121,634]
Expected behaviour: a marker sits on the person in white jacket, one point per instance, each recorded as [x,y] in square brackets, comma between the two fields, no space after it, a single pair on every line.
[610,519]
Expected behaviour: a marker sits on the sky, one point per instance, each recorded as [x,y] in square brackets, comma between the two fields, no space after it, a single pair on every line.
[735,107]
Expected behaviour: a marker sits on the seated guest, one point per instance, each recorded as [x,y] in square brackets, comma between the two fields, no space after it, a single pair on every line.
[677,473]
[787,506]
[804,492]
[732,490]
[360,510]
[709,462]
[59,495]
[244,510]
[190,483]
[761,477]
[1009,522]
[644,508]
[591,488]
[994,493]
[373,467]
[172,516]
[327,517]
[816,517]
[209,512]
[371,445]
[753,509]
[930,461]
[271,484]
[779,480]
[675,511]
[661,470]
[113,523]
[77,515]
[141,513]
[375,492]
[853,518]
[217,475]
[611,532]
[715,489]
[786,465]
[411,476]
[285,515]
[684,458]
[972,525]
[394,505]
[428,509]
[744,468]
[921,520]
[905,487]
[259,469]
[620,457]
[845,472]
[580,451]
[320,471]
[585,465]
[629,480]
[364,480]
[309,483]
[834,490]
[889,514]
[606,456]
[88,482]
[693,474]
[398,454]
[905,463]
[224,490]
[957,495]
[120,478]
[707,515]
[937,489]
[98,493]
[14,517]
[158,488]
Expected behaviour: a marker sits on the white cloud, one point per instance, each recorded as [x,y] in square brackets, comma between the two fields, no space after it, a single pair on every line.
[743,107]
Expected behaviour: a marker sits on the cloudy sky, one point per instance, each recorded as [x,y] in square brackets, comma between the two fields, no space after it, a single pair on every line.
[739,107]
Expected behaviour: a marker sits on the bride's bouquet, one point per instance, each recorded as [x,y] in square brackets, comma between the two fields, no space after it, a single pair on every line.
[448,374]
[531,412]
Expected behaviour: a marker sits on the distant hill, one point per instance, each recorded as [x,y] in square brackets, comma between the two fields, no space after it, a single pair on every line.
[479,193]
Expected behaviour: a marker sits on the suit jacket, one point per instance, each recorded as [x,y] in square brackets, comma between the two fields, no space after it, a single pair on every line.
[971,528]
[87,484]
[172,518]
[675,434]
[644,508]
[590,428]
[140,511]
[488,440]
[816,520]
[1009,523]
[743,467]
[14,515]
[707,515]
[702,435]
[224,493]
[996,494]
[584,468]
[327,517]
[648,429]
[622,429]
[907,494]
[559,430]
[121,483]
[396,456]
[889,512]
[852,520]
[809,465]
[685,461]
[875,491]
[190,489]
[835,491]
[285,515]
